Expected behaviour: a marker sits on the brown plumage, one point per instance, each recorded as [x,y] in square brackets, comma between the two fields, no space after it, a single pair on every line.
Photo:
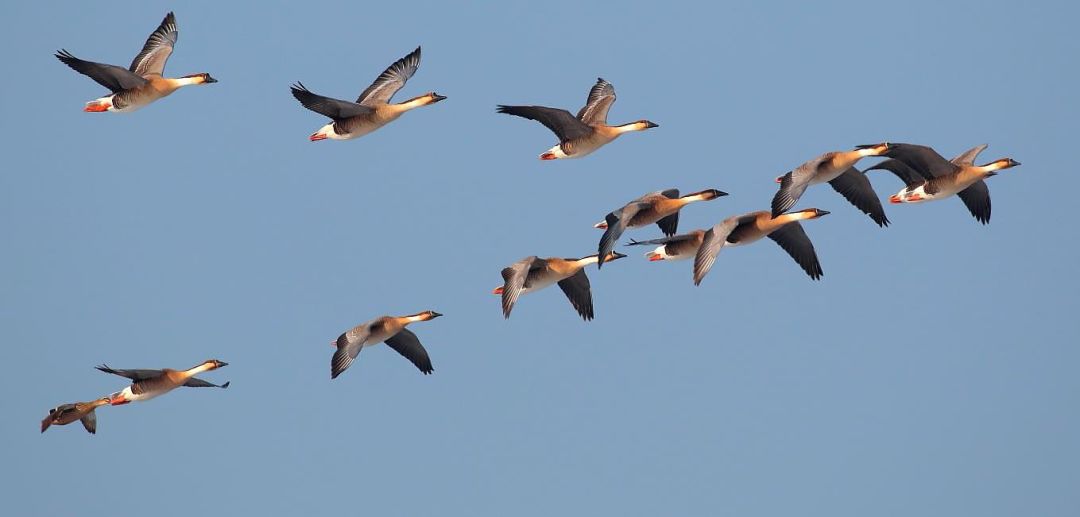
[82,411]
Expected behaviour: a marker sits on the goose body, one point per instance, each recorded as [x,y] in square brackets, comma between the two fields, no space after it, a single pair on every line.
[838,169]
[80,411]
[928,176]
[154,383]
[582,134]
[384,329]
[532,274]
[704,245]
[372,109]
[142,83]
[661,208]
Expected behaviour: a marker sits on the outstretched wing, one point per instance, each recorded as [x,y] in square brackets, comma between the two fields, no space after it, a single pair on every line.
[977,200]
[89,421]
[793,239]
[601,97]
[115,78]
[408,345]
[391,80]
[577,290]
[909,176]
[856,188]
[514,281]
[968,157]
[923,159]
[333,108]
[616,225]
[135,375]
[559,121]
[157,49]
[195,382]
[712,243]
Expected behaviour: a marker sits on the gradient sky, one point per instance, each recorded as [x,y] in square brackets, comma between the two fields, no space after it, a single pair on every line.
[932,372]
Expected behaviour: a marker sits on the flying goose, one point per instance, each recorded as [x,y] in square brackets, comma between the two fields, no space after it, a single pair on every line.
[836,168]
[141,83]
[372,108]
[704,245]
[385,329]
[660,207]
[927,176]
[82,411]
[152,383]
[585,133]
[532,274]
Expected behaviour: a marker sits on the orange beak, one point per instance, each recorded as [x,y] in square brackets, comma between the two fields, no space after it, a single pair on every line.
[602,226]
[497,290]
[118,400]
[548,156]
[779,179]
[894,199]
[653,257]
[316,137]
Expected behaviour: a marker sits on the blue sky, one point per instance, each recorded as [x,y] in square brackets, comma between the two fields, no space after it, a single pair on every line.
[931,372]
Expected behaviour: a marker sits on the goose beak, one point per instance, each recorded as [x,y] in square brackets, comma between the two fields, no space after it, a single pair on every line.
[209,79]
[436,98]
[602,225]
[650,125]
[497,290]
[315,137]
[435,314]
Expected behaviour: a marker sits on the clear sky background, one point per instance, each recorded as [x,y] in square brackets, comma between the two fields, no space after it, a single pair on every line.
[932,371]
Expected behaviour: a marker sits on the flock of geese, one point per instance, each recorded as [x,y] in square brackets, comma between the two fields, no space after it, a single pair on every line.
[926,175]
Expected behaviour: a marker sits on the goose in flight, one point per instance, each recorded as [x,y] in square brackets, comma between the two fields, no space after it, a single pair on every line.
[385,329]
[838,169]
[82,411]
[585,133]
[152,383]
[928,176]
[660,207]
[704,245]
[142,82]
[532,274]
[372,108]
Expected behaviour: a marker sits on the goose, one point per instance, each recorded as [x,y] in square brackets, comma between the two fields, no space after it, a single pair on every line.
[385,329]
[141,83]
[704,245]
[532,274]
[82,411]
[152,383]
[585,133]
[660,207]
[836,168]
[928,176]
[372,108]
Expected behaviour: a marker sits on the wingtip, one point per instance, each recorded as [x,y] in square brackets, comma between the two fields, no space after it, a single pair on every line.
[226,385]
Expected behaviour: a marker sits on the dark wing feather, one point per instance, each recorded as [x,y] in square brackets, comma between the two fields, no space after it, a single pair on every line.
[407,344]
[157,49]
[578,291]
[195,382]
[856,188]
[665,240]
[89,421]
[333,108]
[793,239]
[601,97]
[711,244]
[391,80]
[977,200]
[616,225]
[559,121]
[514,278]
[135,375]
[670,224]
[789,193]
[926,161]
[909,176]
[115,78]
